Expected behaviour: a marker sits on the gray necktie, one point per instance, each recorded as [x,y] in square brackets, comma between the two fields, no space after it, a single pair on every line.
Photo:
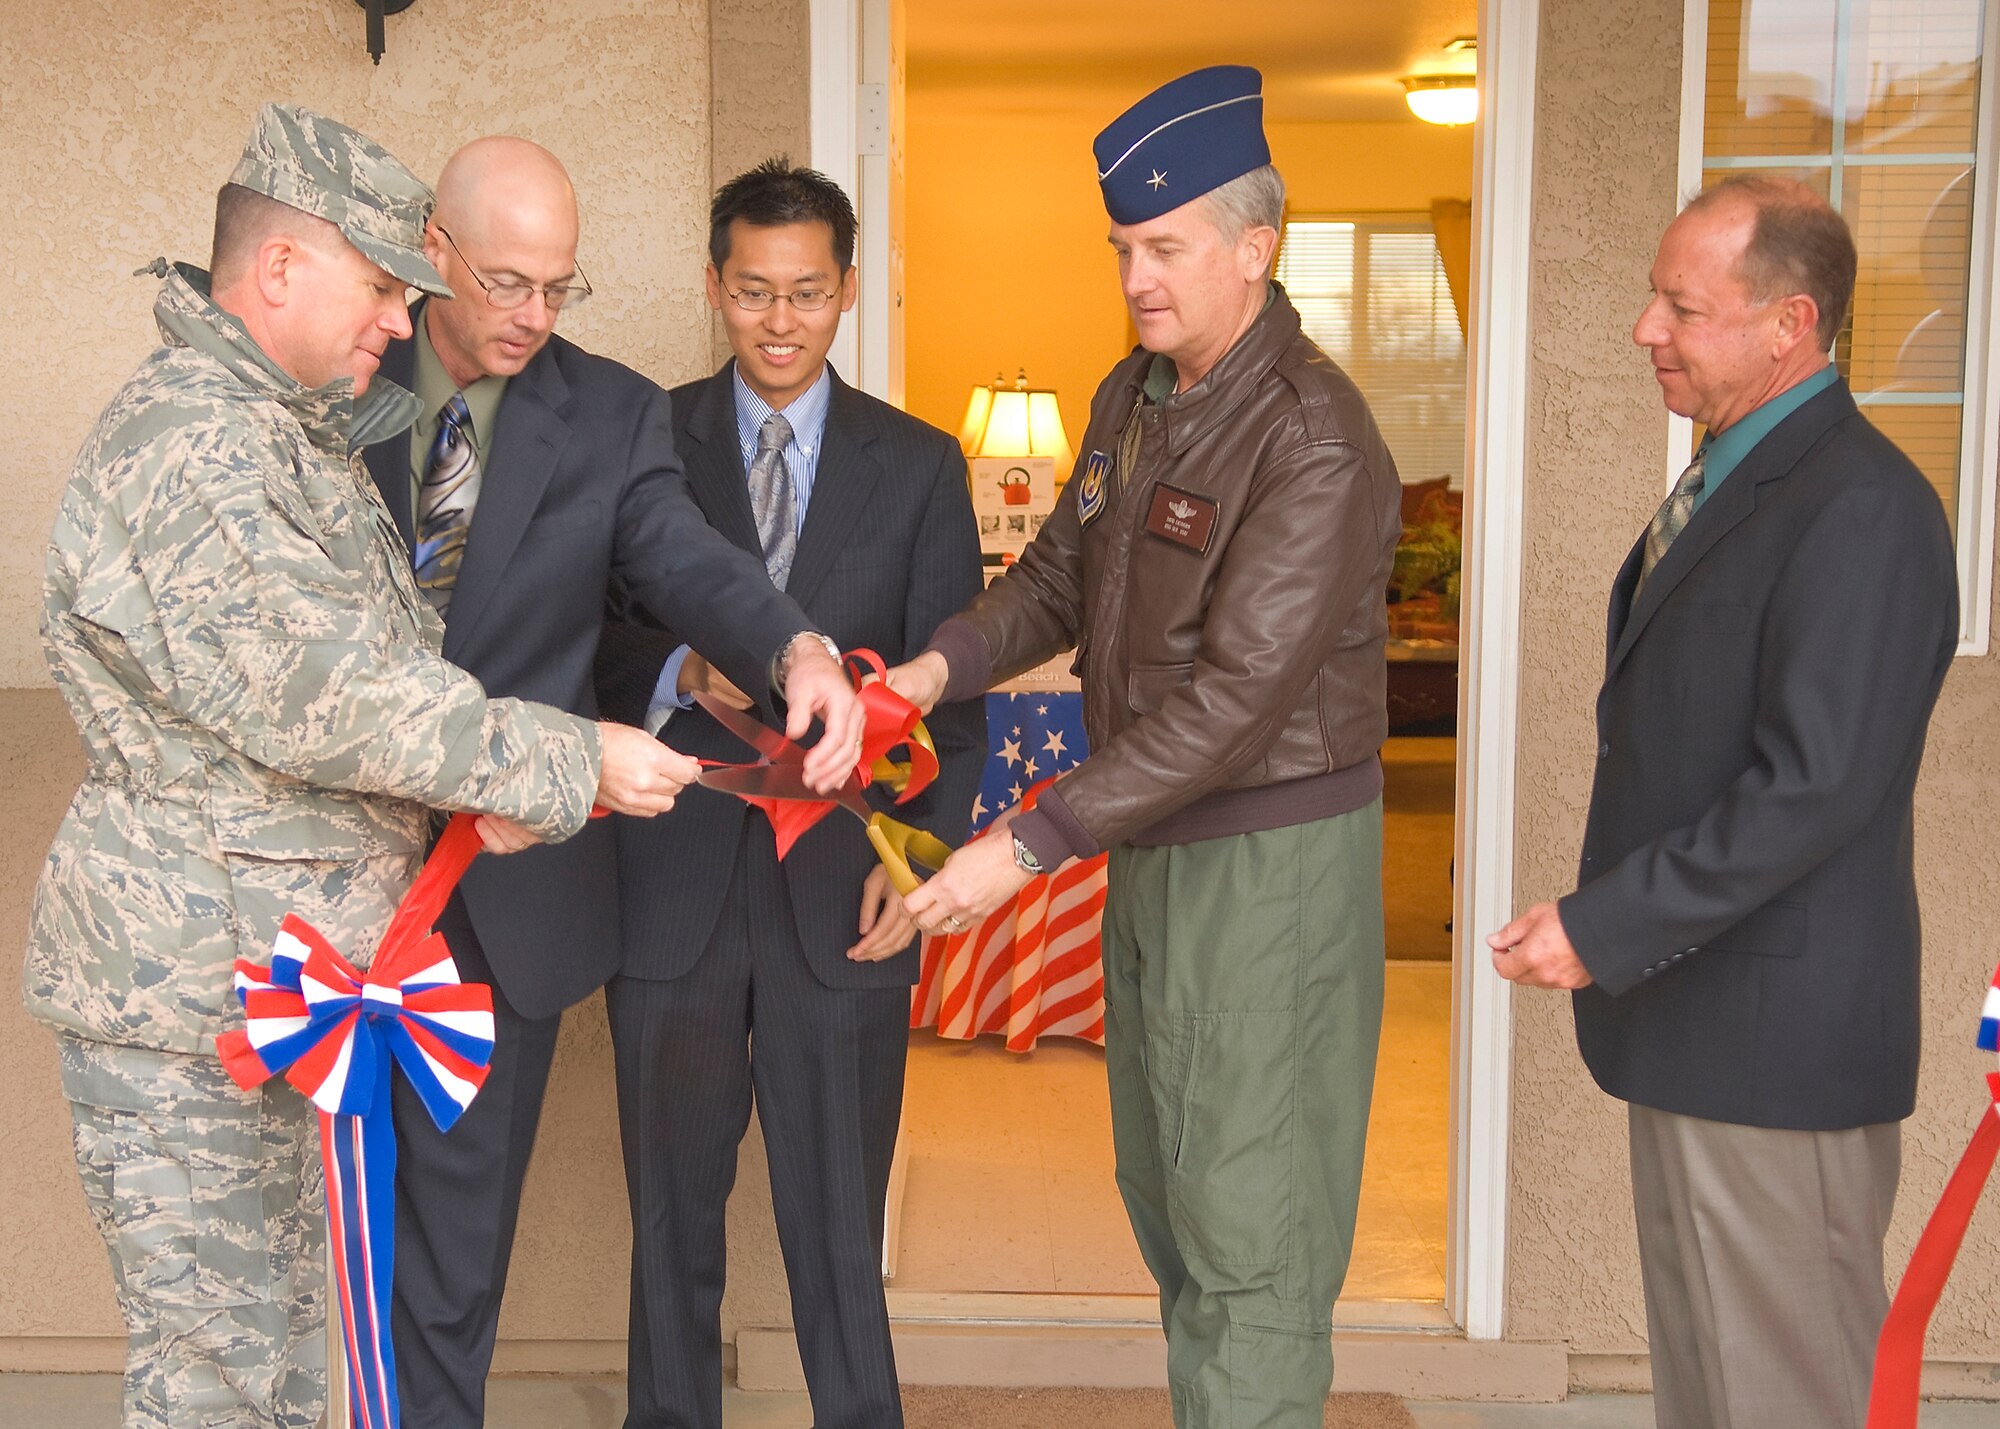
[1671,519]
[772,500]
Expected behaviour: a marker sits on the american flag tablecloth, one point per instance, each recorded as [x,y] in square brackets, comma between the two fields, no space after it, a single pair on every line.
[1031,969]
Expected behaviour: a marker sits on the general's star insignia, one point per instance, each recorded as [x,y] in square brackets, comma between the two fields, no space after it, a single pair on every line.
[1159,180]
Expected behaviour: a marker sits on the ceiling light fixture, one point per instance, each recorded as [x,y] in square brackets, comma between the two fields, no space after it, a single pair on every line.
[1442,98]
[1446,91]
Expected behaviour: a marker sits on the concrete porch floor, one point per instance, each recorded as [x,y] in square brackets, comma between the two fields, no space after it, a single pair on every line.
[90,1401]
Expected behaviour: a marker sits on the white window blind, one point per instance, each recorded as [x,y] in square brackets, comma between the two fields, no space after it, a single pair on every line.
[1372,293]
[1876,103]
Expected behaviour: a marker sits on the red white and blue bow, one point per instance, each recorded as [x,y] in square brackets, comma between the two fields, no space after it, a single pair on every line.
[334,1033]
[1899,1354]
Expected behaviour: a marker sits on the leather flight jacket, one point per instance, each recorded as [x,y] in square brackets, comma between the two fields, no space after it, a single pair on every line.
[1224,595]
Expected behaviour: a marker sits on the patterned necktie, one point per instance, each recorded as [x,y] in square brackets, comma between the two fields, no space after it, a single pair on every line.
[772,500]
[444,504]
[1671,519]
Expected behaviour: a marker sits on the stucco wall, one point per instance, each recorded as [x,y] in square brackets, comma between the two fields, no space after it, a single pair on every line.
[122,120]
[761,78]
[1604,187]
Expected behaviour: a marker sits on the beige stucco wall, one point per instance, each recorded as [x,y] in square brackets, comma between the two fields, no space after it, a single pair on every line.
[121,122]
[1604,186]
[761,76]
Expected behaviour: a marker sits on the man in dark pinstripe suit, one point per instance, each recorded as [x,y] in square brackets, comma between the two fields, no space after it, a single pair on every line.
[742,975]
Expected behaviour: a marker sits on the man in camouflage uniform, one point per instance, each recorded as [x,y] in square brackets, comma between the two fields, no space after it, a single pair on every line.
[231,617]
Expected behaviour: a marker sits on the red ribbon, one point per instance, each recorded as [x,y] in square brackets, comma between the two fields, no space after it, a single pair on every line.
[889,720]
[1899,1354]
[345,1059]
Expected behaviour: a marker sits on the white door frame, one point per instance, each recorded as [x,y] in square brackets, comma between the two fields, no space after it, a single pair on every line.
[1482,1018]
[1489,668]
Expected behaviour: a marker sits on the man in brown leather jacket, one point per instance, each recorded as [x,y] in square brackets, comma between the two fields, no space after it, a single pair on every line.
[1218,563]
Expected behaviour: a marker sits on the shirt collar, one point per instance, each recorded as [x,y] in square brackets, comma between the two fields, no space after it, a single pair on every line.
[807,412]
[1726,450]
[434,388]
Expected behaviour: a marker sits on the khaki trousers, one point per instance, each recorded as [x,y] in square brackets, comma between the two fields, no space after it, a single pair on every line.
[1243,1003]
[1762,1257]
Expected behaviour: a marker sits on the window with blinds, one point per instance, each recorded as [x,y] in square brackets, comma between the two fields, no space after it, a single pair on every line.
[1876,104]
[1372,293]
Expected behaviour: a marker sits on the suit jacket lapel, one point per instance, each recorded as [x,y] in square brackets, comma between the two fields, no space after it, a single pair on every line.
[389,461]
[842,485]
[714,461]
[1770,460]
[528,439]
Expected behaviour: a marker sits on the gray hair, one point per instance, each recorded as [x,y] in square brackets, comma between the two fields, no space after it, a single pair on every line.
[1254,200]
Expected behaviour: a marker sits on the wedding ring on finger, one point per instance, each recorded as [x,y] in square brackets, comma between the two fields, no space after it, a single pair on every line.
[953,924]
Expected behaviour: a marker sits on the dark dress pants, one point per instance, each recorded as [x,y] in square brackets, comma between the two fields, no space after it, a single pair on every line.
[825,1067]
[457,1199]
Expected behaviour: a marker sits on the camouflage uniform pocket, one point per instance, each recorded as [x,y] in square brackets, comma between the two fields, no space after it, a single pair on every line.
[187,1209]
[348,900]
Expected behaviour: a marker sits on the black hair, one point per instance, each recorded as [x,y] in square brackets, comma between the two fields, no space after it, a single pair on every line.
[774,194]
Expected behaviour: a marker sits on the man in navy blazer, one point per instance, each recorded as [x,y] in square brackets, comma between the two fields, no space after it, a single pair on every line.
[746,976]
[1743,942]
[576,484]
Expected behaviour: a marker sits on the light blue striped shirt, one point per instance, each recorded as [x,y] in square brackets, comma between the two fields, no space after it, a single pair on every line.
[807,414]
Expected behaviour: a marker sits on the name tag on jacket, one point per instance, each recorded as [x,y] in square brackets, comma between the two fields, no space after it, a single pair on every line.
[1181,517]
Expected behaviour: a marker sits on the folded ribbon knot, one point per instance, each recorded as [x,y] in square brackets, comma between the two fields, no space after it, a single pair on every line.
[334,1033]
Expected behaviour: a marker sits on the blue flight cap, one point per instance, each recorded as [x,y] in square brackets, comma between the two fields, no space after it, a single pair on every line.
[1190,135]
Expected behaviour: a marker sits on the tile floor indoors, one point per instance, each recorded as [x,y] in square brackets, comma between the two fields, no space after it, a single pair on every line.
[1019,1145]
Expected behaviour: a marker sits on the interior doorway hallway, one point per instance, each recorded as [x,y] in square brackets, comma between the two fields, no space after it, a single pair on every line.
[1009,1173]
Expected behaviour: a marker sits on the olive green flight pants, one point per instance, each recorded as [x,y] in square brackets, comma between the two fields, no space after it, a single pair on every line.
[1243,1003]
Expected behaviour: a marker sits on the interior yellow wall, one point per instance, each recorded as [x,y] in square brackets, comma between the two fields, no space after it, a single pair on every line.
[1008,264]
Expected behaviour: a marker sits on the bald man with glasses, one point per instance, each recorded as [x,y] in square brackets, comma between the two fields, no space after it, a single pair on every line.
[535,476]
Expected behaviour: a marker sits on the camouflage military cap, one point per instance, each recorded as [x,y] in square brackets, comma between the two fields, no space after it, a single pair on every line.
[327,169]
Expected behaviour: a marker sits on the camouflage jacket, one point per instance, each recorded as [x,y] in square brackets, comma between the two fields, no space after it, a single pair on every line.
[231,617]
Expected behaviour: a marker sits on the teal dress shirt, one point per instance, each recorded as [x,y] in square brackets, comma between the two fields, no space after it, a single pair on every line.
[1726,449]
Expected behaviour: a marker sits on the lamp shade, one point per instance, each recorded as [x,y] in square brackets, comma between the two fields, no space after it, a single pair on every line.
[977,408]
[1016,421]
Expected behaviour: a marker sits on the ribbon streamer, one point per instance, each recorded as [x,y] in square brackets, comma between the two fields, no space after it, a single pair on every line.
[334,1033]
[1899,1354]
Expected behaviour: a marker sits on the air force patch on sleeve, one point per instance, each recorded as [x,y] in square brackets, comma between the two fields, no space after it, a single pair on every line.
[1090,498]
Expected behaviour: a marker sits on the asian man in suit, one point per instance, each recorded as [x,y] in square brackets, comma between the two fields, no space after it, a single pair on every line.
[1744,942]
[538,473]
[744,976]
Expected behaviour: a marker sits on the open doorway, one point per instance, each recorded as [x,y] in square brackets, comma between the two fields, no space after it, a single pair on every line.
[1007,1185]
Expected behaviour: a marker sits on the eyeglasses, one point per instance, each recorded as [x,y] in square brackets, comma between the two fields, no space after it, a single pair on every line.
[512,295]
[805,300]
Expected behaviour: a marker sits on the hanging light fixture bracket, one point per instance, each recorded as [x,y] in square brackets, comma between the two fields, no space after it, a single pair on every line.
[377,11]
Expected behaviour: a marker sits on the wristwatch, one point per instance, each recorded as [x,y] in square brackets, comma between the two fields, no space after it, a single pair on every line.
[781,668]
[1025,860]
